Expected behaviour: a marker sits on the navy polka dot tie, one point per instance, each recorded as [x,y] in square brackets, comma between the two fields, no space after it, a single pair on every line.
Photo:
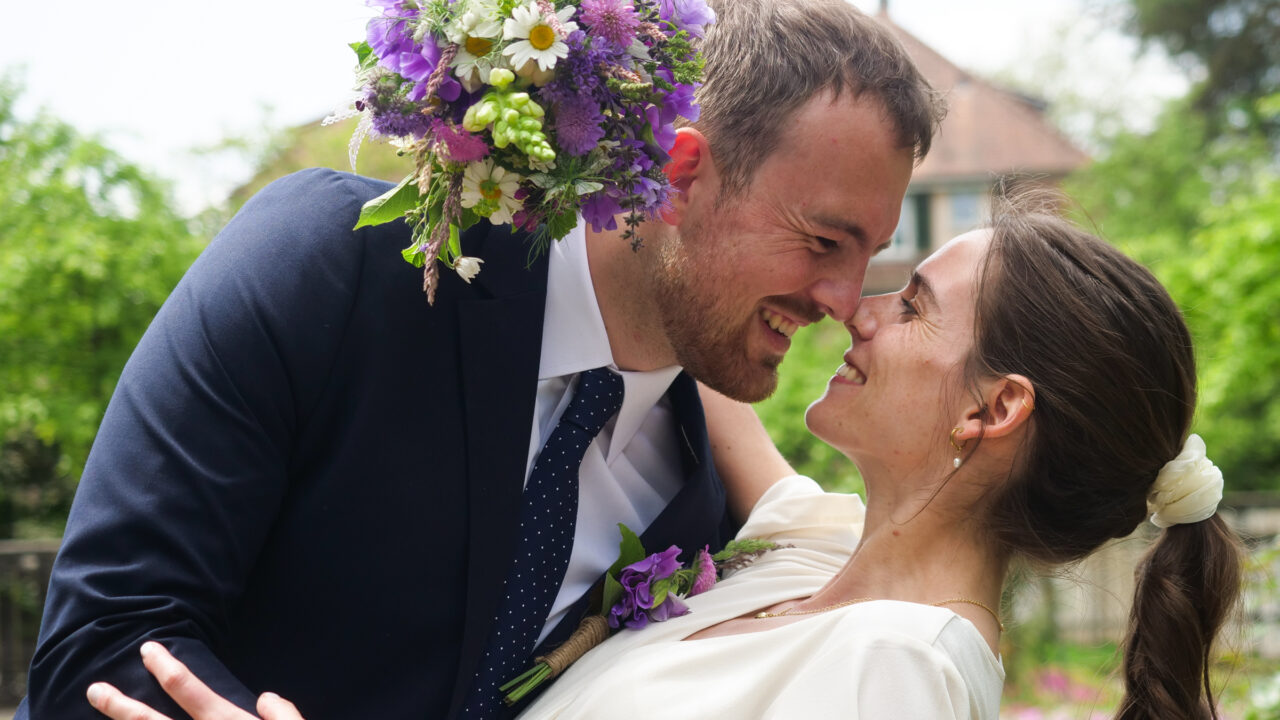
[547,520]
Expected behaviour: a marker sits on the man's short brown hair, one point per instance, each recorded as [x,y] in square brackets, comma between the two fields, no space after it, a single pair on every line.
[767,58]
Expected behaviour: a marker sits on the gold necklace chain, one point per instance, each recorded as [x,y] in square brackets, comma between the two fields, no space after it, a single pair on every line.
[789,612]
[994,615]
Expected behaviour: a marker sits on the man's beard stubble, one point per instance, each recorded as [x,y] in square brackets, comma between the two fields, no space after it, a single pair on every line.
[709,342]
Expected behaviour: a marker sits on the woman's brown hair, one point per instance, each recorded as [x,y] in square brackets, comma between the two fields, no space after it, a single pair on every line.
[1111,363]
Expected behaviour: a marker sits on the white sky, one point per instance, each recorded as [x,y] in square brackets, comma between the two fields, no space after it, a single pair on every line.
[157,78]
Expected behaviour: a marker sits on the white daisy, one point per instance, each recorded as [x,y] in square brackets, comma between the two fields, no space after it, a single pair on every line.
[535,39]
[482,19]
[487,185]
[476,32]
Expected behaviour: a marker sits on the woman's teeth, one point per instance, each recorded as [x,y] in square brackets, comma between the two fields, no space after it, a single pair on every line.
[851,373]
[783,326]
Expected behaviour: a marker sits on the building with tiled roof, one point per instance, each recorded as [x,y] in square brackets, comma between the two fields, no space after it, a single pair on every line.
[989,133]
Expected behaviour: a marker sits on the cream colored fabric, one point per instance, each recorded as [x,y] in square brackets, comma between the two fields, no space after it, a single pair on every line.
[881,659]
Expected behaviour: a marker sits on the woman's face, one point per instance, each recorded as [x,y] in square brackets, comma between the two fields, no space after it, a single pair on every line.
[892,404]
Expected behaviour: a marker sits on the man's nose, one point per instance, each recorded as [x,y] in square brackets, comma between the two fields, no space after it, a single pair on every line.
[838,295]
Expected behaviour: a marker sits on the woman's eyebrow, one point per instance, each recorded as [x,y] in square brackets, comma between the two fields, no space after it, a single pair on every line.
[923,287]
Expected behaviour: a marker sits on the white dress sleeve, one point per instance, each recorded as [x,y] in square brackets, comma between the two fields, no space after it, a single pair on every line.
[908,679]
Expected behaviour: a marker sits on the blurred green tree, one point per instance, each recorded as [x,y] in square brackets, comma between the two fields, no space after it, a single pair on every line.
[90,246]
[1236,43]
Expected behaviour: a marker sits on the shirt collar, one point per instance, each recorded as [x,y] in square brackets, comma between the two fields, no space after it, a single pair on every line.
[574,338]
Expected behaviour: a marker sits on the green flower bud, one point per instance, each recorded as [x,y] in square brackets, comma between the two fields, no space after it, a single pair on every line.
[487,113]
[469,120]
[501,77]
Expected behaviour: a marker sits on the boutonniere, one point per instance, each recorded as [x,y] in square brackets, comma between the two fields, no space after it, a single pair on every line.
[639,589]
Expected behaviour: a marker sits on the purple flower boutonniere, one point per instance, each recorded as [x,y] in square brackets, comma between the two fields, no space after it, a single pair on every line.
[638,589]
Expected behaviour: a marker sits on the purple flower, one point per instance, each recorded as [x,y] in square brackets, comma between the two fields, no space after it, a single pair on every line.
[576,73]
[388,39]
[612,20]
[392,8]
[416,65]
[680,102]
[578,127]
[690,15]
[455,144]
[392,115]
[635,609]
[600,209]
[706,572]
[664,134]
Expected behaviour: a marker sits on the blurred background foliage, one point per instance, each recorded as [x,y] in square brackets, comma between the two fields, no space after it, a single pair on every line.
[90,246]
[89,249]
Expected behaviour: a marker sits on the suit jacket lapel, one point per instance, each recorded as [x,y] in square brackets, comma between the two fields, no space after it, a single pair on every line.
[499,351]
[696,516]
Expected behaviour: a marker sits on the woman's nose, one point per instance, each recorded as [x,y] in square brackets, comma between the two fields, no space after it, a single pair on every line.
[866,319]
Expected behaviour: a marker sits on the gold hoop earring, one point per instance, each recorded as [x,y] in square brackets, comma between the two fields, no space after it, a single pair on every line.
[1028,407]
[959,448]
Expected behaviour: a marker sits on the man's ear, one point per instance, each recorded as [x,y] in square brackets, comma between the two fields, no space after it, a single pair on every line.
[691,172]
[1008,404]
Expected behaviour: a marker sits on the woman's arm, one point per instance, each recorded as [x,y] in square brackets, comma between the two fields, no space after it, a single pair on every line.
[746,458]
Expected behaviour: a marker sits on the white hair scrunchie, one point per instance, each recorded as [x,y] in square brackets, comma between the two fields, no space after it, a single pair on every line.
[1187,489]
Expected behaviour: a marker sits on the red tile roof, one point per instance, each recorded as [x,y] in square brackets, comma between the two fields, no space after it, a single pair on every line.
[988,130]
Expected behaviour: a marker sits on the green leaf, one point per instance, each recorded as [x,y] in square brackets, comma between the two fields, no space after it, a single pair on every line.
[612,592]
[630,550]
[414,256]
[363,51]
[586,187]
[559,225]
[542,180]
[661,589]
[390,205]
[455,242]
[746,545]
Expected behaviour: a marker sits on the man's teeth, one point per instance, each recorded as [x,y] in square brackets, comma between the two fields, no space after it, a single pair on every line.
[785,327]
[851,373]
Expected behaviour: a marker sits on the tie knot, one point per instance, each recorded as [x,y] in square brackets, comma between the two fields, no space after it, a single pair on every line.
[598,398]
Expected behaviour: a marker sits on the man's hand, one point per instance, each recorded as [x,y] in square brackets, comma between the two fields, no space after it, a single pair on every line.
[187,690]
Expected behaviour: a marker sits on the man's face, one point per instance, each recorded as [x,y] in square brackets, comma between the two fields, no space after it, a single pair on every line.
[742,273]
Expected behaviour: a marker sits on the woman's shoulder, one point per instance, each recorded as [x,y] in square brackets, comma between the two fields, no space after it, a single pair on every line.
[797,507]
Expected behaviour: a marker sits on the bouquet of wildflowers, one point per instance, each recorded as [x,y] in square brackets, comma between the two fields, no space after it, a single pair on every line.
[525,112]
[638,590]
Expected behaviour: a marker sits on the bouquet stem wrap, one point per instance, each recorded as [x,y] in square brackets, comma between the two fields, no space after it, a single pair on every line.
[593,630]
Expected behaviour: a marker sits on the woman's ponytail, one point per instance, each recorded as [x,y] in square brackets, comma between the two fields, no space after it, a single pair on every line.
[1187,585]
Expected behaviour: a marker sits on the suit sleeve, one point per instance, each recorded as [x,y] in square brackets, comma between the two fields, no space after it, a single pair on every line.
[192,460]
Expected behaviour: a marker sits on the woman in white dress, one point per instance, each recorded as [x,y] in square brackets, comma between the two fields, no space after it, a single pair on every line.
[1026,397]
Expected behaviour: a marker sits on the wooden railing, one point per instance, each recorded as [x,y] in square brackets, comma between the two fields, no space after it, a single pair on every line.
[24,578]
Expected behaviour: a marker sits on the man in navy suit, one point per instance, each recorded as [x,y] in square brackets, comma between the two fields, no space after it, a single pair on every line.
[308,479]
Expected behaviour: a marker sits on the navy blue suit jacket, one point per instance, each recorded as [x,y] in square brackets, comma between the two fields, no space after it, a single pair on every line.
[307,479]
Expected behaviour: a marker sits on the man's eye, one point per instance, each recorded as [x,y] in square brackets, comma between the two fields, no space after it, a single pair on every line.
[908,308]
[827,243]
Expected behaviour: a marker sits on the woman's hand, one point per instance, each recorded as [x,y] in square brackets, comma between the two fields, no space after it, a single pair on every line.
[746,459]
[187,690]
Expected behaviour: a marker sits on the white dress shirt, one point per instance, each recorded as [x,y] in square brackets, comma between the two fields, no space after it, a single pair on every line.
[632,469]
